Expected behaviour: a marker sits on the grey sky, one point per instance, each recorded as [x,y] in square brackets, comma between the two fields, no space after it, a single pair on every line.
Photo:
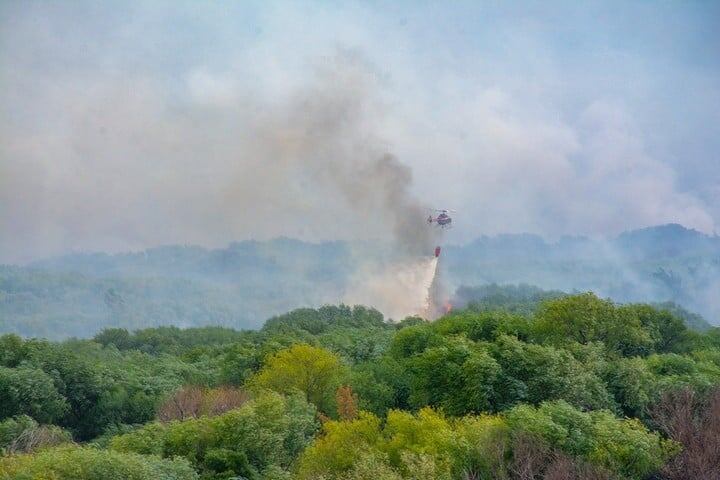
[125,125]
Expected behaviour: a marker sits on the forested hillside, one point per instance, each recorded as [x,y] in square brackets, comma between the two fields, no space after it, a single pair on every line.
[519,385]
[238,286]
[242,285]
[663,263]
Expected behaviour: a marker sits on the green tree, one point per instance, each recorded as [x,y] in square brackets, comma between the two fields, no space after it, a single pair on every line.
[79,381]
[536,373]
[13,350]
[119,337]
[673,371]
[317,321]
[627,447]
[632,384]
[667,331]
[238,362]
[381,385]
[483,326]
[459,377]
[413,340]
[585,318]
[30,391]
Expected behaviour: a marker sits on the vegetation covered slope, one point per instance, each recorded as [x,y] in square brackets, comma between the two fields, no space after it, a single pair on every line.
[580,387]
[247,282]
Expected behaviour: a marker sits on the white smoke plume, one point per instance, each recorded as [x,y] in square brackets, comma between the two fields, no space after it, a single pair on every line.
[398,289]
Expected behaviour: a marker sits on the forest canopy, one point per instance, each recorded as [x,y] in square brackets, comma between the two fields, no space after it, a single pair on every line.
[563,383]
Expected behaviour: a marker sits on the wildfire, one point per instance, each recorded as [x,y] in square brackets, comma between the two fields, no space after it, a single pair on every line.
[448,306]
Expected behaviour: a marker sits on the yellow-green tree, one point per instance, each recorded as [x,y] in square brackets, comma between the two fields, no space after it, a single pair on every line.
[410,447]
[314,371]
[341,446]
[71,462]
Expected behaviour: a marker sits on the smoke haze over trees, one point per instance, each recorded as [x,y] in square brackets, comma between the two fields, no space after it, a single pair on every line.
[242,285]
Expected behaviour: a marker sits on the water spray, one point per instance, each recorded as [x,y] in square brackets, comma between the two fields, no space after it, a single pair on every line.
[436,301]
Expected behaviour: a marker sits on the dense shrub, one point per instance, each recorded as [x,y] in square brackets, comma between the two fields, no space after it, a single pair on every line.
[77,463]
[266,432]
[625,447]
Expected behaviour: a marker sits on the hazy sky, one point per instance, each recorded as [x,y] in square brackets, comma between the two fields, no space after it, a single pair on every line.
[126,124]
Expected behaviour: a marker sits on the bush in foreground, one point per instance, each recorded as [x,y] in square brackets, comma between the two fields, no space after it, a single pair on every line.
[553,436]
[78,463]
[258,439]
[22,434]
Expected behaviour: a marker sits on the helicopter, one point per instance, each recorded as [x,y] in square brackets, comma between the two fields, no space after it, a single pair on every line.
[443,220]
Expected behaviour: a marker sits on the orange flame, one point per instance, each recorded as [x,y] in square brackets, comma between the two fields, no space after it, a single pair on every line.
[448,306]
